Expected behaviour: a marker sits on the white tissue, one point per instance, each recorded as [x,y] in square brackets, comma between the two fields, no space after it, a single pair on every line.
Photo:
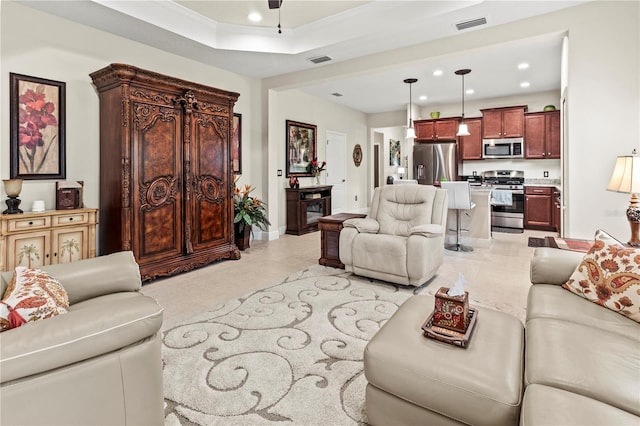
[458,286]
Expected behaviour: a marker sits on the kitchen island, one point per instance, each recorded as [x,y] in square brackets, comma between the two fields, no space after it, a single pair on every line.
[475,223]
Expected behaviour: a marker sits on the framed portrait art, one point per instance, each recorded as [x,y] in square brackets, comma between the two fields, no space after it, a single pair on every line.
[301,147]
[236,144]
[37,120]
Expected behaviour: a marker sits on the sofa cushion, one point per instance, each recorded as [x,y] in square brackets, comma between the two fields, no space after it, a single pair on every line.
[92,328]
[552,301]
[544,405]
[32,295]
[584,360]
[609,275]
[377,252]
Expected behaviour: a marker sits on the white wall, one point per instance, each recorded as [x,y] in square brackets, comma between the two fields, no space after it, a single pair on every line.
[57,49]
[299,106]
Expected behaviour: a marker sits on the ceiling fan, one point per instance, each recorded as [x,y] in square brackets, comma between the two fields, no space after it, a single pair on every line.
[274,4]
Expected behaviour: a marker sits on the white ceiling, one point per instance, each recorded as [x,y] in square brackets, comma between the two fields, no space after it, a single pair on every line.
[218,33]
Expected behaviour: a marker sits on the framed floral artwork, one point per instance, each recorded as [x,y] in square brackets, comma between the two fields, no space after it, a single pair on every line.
[236,144]
[301,147]
[37,120]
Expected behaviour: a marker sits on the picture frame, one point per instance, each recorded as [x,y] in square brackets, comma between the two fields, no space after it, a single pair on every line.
[236,144]
[394,152]
[301,147]
[37,115]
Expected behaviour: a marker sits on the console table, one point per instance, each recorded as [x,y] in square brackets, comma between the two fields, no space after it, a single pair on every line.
[330,227]
[305,206]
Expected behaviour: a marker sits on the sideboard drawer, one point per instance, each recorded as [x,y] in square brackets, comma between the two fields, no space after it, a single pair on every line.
[24,224]
[71,219]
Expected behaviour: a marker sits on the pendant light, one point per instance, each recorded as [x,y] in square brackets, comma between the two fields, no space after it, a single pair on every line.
[463,130]
[411,132]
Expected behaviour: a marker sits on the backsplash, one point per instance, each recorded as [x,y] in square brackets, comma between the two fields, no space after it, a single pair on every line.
[533,169]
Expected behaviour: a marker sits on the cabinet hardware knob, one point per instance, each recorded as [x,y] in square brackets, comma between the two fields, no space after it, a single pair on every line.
[30,223]
[47,255]
[70,219]
[55,254]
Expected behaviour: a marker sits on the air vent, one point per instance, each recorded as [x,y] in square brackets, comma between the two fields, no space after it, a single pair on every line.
[320,59]
[469,24]
[336,94]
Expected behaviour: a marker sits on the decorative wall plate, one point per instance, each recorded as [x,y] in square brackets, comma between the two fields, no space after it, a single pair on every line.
[357,155]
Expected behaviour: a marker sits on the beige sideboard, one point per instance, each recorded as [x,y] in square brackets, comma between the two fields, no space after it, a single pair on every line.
[49,237]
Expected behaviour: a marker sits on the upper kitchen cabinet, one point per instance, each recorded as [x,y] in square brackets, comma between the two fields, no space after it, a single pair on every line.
[498,123]
[443,129]
[542,135]
[471,145]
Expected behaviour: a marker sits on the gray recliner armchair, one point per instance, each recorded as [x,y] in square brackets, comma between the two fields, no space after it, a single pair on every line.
[402,238]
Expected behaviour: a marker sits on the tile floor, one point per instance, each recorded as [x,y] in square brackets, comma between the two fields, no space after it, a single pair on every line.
[505,261]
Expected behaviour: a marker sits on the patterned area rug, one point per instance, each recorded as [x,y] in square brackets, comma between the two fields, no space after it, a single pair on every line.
[292,353]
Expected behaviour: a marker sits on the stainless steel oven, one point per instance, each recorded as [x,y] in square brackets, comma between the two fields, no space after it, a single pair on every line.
[507,197]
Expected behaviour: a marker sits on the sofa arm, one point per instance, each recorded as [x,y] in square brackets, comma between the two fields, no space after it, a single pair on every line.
[553,266]
[90,329]
[89,278]
[364,225]
[428,230]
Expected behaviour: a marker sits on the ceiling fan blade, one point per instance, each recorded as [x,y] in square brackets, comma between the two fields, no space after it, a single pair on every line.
[275,4]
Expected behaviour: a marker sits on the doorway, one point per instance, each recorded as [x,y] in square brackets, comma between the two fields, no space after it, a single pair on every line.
[337,170]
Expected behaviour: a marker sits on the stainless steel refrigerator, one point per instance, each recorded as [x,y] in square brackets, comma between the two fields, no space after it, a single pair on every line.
[434,162]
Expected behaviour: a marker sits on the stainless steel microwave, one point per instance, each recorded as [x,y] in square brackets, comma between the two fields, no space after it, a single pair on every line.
[503,148]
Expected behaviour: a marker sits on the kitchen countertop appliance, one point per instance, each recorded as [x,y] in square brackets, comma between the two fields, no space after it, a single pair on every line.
[507,198]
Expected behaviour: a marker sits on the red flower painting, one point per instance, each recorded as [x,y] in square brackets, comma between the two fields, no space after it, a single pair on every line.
[35,115]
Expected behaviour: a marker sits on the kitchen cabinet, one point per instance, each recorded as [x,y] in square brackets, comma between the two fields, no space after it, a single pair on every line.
[305,206]
[538,204]
[436,130]
[166,182]
[46,238]
[542,135]
[471,145]
[498,123]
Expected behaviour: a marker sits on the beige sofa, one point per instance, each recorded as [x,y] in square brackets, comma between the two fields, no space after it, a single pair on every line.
[582,361]
[100,363]
[402,238]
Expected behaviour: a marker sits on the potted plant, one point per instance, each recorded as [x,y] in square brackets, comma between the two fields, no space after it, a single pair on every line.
[248,211]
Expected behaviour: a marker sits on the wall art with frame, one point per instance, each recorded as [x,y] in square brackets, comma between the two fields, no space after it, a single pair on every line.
[301,147]
[37,121]
[236,144]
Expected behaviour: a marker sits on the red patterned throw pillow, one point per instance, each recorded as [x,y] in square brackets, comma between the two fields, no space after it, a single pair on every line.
[609,275]
[31,295]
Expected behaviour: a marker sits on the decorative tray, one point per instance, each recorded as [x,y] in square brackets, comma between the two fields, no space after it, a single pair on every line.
[450,336]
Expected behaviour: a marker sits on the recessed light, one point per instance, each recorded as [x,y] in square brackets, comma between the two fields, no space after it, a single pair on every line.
[255,17]
[437,73]
[524,84]
[423,97]
[523,66]
[470,91]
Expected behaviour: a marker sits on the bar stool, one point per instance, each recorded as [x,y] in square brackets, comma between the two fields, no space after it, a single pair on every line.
[459,199]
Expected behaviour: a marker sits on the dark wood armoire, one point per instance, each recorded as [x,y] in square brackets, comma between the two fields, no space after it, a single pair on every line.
[166,184]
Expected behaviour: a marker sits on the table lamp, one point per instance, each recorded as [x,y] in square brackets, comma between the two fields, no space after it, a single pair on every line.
[12,188]
[626,179]
[401,171]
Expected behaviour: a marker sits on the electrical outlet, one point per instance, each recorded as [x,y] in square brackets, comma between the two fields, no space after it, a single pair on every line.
[474,173]
[546,174]
[279,172]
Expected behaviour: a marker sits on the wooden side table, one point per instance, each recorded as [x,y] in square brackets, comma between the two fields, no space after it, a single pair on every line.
[330,227]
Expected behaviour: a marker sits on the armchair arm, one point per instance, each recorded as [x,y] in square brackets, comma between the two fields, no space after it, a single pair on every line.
[363,225]
[553,266]
[429,230]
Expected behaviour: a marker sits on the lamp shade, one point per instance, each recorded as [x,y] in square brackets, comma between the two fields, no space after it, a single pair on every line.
[411,133]
[463,130]
[12,187]
[401,170]
[626,175]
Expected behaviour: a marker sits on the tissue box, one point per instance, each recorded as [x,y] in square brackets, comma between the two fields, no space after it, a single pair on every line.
[451,312]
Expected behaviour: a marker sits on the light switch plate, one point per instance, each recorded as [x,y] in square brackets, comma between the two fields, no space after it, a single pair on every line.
[279,172]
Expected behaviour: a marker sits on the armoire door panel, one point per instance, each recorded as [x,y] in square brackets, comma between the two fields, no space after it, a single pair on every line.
[158,178]
[211,200]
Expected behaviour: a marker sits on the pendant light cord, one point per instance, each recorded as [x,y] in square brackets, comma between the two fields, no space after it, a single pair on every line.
[279,27]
